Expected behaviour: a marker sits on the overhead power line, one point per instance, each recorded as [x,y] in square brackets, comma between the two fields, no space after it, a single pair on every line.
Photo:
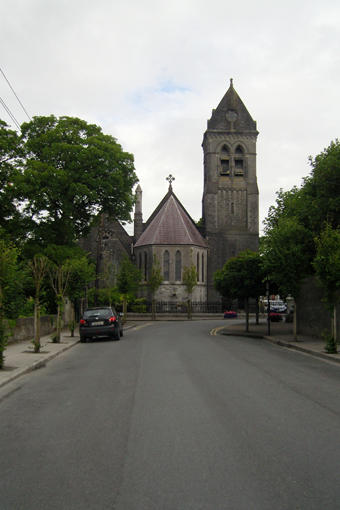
[10,113]
[22,106]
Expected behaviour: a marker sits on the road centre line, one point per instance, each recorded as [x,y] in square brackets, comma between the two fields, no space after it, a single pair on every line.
[136,328]
[214,331]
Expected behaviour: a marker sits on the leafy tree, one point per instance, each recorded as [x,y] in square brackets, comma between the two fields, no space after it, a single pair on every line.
[155,280]
[242,277]
[82,272]
[288,250]
[39,269]
[9,154]
[8,279]
[322,188]
[189,279]
[71,173]
[128,281]
[108,275]
[327,266]
[59,276]
[318,199]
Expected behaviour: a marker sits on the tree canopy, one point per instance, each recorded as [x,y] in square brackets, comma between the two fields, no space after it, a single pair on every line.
[67,173]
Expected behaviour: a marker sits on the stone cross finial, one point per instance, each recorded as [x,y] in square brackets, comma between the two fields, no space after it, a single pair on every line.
[170,179]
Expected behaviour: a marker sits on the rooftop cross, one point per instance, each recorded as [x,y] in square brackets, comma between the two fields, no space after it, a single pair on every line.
[170,179]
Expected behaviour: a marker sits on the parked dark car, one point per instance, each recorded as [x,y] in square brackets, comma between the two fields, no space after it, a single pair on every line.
[275,317]
[230,315]
[100,321]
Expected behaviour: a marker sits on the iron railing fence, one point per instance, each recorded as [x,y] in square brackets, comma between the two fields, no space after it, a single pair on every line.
[199,307]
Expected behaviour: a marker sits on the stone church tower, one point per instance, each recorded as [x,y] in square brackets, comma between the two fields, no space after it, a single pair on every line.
[230,196]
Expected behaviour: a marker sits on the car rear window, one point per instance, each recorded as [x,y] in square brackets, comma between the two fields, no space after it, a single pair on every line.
[104,313]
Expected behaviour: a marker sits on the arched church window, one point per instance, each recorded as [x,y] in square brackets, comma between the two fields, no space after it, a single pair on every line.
[145,266]
[166,266]
[202,267]
[198,266]
[140,261]
[178,266]
[225,161]
[232,207]
[239,161]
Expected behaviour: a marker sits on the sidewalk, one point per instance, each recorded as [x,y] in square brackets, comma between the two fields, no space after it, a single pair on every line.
[281,333]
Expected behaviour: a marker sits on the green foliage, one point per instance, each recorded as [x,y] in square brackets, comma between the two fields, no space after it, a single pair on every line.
[9,156]
[155,278]
[327,264]
[82,272]
[69,173]
[288,250]
[241,277]
[103,298]
[322,188]
[331,346]
[128,281]
[128,278]
[9,284]
[138,306]
[189,278]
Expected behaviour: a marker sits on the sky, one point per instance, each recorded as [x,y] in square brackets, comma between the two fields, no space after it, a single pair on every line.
[149,72]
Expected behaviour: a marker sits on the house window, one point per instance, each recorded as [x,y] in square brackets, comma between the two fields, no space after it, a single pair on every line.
[178,266]
[166,266]
[198,267]
[225,161]
[239,161]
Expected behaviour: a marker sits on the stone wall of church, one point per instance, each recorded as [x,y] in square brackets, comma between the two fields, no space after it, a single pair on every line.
[173,288]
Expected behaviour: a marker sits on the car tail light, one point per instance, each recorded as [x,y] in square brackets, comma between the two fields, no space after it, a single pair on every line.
[82,321]
[112,319]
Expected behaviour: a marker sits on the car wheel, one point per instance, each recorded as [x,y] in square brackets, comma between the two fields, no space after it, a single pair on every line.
[116,335]
[82,339]
[121,332]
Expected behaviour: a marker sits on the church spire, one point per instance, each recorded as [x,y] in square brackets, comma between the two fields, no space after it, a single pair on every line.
[138,217]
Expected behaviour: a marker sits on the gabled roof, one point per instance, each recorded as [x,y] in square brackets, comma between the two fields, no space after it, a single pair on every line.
[231,114]
[170,224]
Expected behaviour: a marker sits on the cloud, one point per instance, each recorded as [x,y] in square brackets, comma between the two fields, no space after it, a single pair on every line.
[150,72]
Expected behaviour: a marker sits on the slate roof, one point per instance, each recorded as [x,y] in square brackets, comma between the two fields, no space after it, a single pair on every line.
[232,102]
[170,224]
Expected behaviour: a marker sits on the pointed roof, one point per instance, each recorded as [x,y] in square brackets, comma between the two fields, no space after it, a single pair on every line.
[170,224]
[231,114]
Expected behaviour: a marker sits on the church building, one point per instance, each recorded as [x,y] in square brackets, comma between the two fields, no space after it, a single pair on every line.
[230,213]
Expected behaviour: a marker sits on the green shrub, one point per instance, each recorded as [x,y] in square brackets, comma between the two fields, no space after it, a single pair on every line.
[138,306]
[330,346]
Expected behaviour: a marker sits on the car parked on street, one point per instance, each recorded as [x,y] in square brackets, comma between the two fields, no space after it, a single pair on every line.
[275,317]
[100,321]
[230,315]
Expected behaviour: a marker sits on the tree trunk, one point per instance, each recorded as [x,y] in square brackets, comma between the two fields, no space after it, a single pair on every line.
[57,333]
[124,310]
[189,309]
[153,313]
[246,303]
[335,325]
[36,326]
[72,321]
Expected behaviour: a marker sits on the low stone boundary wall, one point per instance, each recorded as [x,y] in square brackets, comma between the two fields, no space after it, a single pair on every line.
[24,329]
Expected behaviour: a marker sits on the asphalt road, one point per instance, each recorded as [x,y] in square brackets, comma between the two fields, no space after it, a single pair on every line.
[173,416]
